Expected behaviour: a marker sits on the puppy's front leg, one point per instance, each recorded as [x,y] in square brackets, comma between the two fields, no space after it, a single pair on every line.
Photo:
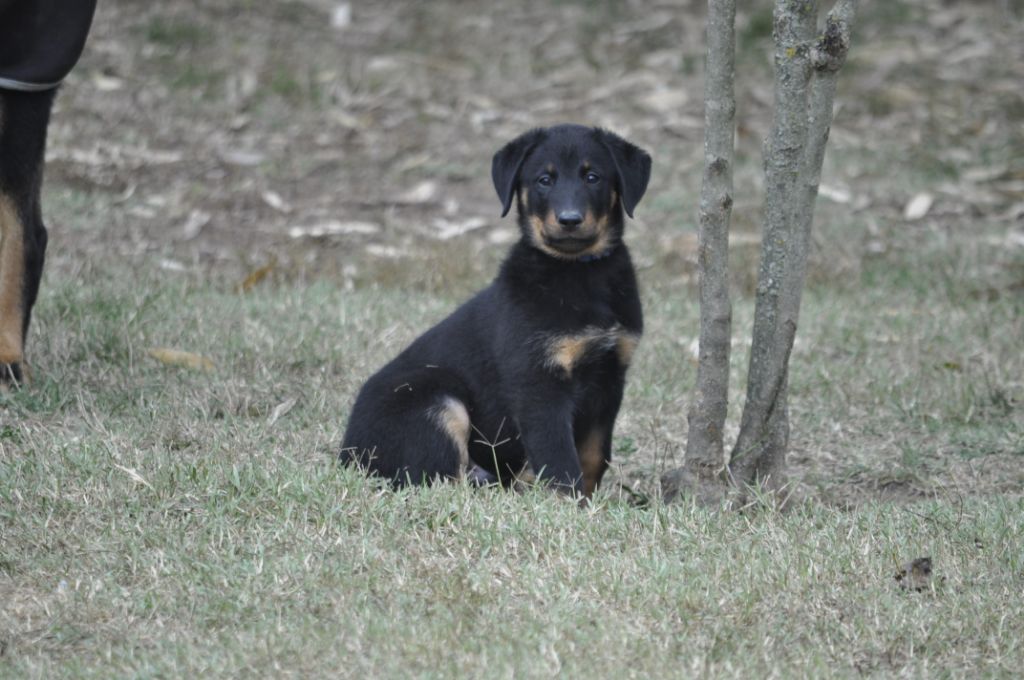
[544,417]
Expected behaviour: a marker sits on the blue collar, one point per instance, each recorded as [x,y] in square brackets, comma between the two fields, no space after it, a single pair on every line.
[596,257]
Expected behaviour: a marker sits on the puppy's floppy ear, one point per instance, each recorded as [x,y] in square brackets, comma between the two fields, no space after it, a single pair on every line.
[633,165]
[508,161]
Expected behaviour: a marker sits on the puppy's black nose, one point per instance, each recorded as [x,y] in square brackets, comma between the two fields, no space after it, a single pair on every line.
[570,219]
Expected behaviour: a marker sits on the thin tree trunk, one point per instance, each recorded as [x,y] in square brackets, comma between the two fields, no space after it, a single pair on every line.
[704,448]
[793,160]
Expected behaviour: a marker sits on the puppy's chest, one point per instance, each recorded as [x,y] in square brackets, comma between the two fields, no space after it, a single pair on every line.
[566,353]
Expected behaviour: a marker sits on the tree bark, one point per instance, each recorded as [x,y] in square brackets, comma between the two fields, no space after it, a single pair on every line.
[704,446]
[793,159]
[805,79]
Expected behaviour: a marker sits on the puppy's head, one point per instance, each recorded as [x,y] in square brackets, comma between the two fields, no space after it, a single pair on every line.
[571,185]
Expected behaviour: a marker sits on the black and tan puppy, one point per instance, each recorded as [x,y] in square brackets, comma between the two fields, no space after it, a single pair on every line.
[527,375]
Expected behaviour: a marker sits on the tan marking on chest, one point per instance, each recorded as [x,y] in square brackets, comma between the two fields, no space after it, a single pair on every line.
[566,352]
[12,282]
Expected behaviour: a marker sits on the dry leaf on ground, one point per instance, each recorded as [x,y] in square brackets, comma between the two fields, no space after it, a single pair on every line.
[281,410]
[918,206]
[255,276]
[177,357]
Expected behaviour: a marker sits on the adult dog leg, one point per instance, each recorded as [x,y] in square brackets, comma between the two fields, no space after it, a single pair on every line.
[23,120]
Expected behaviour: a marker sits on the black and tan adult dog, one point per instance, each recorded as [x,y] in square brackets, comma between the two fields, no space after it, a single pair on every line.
[40,41]
[23,120]
[527,375]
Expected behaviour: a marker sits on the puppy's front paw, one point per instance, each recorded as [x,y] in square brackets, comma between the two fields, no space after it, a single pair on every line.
[524,479]
[477,476]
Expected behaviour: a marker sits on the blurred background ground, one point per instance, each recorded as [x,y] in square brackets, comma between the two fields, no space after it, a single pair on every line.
[287,144]
[229,131]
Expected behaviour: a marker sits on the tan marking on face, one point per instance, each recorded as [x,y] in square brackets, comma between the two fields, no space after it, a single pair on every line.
[564,352]
[549,168]
[537,231]
[12,282]
[598,227]
[453,419]
[626,346]
[538,227]
[590,226]
[592,462]
[586,166]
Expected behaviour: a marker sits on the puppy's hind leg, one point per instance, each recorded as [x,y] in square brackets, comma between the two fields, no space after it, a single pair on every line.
[410,427]
[433,443]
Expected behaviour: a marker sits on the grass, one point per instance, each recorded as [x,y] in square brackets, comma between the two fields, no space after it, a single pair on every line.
[163,562]
[161,521]
[255,563]
[157,521]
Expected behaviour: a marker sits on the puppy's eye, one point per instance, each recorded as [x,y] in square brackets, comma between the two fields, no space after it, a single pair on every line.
[592,178]
[544,180]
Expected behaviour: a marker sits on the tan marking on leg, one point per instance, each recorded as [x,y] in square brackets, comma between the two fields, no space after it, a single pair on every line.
[592,462]
[12,283]
[453,419]
[626,346]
